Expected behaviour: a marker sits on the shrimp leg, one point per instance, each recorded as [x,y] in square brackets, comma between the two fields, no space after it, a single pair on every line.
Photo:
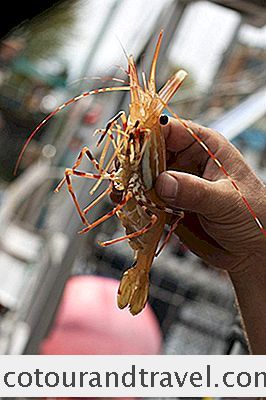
[128,196]
[108,131]
[110,124]
[140,232]
[68,173]
[84,151]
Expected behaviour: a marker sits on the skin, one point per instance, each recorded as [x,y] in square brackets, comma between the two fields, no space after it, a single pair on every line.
[217,226]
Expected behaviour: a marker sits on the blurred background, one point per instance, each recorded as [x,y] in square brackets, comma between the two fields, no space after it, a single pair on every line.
[57,288]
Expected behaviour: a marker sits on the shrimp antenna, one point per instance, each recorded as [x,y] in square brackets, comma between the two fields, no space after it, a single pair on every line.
[121,69]
[58,109]
[96,78]
[122,47]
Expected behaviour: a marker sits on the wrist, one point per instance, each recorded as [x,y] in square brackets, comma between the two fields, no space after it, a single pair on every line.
[249,285]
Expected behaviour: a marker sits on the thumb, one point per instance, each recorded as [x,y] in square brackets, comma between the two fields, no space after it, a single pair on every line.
[183,190]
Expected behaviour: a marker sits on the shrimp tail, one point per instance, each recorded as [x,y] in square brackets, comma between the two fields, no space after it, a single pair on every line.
[134,286]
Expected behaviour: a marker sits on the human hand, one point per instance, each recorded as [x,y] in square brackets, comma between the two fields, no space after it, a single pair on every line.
[217,225]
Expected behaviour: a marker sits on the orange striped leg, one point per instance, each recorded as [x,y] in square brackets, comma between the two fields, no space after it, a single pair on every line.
[108,131]
[68,173]
[85,151]
[109,214]
[101,161]
[110,139]
[103,155]
[111,123]
[145,229]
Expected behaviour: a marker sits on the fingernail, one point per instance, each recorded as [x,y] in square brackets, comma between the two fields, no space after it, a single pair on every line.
[167,187]
[164,119]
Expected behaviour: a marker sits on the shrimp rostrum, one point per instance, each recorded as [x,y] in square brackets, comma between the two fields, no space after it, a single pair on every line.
[137,160]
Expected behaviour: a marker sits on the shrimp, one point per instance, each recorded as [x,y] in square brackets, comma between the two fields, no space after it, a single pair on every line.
[138,158]
[139,155]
